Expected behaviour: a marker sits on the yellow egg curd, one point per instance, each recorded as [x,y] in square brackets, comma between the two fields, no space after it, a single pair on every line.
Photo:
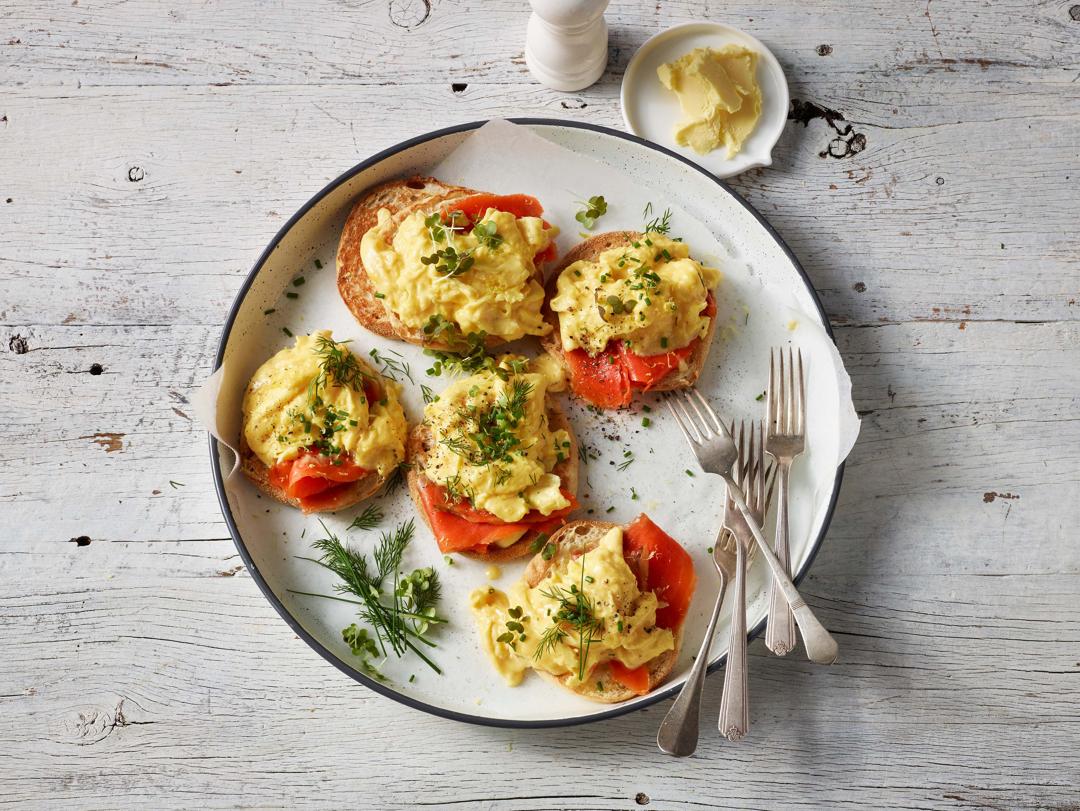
[719,95]
[649,294]
[312,394]
[497,293]
[527,626]
[492,443]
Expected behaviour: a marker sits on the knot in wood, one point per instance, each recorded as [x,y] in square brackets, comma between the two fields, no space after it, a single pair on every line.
[409,13]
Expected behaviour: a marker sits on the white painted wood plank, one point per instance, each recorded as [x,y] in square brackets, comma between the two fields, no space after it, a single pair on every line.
[173,245]
[421,42]
[144,668]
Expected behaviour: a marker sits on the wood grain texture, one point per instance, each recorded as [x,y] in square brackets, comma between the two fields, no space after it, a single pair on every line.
[149,152]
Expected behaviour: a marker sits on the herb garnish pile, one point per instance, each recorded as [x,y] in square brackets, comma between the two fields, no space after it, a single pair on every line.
[448,260]
[486,435]
[467,354]
[577,612]
[400,608]
[321,420]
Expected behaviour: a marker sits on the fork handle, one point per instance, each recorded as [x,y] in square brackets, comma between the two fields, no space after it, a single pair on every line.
[780,632]
[678,734]
[820,646]
[735,705]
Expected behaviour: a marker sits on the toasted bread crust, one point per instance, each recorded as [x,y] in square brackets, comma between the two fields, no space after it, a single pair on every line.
[402,197]
[589,250]
[586,535]
[259,474]
[416,450]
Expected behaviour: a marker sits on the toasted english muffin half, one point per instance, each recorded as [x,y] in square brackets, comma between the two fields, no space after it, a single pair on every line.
[416,451]
[259,474]
[297,388]
[574,538]
[402,198]
[589,250]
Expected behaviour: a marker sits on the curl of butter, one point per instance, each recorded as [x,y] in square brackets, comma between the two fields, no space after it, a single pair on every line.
[719,96]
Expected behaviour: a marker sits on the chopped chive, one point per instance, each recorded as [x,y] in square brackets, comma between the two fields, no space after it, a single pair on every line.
[690,473]
[271,310]
[610,510]
[291,294]
[760,397]
[287,331]
[380,295]
[298,281]
[318,265]
[645,422]
[412,678]
[646,409]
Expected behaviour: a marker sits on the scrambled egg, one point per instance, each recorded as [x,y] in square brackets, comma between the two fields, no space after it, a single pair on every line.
[650,294]
[492,441]
[281,416]
[625,617]
[719,95]
[499,294]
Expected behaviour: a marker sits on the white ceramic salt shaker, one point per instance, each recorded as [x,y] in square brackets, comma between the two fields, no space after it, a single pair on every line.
[566,42]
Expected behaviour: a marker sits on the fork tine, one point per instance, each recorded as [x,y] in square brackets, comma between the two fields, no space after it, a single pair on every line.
[761,469]
[793,393]
[802,396]
[772,407]
[782,396]
[703,426]
[684,427]
[741,465]
[708,408]
[770,487]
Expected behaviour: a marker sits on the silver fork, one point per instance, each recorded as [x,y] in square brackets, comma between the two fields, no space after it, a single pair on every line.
[735,704]
[786,439]
[716,453]
[678,734]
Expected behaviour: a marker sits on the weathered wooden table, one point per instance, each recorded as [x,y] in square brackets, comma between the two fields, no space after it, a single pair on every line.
[929,183]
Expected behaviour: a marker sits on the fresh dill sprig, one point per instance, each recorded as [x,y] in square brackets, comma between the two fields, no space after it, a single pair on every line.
[657,225]
[391,367]
[485,436]
[337,365]
[628,459]
[368,519]
[428,395]
[576,610]
[585,453]
[397,478]
[405,618]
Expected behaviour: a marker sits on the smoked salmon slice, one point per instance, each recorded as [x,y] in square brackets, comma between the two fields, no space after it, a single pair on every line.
[645,371]
[312,475]
[636,679]
[456,534]
[520,205]
[668,569]
[608,379]
[602,380]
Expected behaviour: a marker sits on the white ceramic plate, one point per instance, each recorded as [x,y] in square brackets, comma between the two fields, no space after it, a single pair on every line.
[271,539]
[651,110]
